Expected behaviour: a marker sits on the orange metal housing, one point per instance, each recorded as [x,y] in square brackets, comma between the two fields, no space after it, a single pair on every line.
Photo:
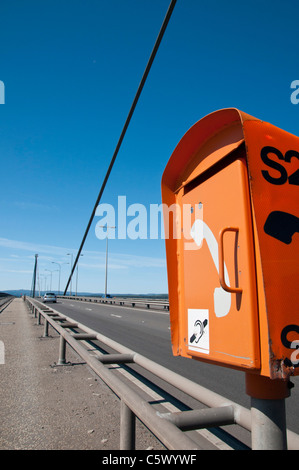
[231,247]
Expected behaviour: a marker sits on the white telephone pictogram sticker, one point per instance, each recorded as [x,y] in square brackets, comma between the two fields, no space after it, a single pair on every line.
[222,299]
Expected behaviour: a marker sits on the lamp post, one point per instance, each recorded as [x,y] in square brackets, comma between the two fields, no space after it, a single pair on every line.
[106,270]
[59,265]
[71,255]
[41,279]
[45,281]
[51,276]
[53,262]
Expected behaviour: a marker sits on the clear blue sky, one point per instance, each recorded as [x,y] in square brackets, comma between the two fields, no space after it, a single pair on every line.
[71,69]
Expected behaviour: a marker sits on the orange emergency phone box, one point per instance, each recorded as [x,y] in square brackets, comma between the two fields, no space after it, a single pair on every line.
[230,199]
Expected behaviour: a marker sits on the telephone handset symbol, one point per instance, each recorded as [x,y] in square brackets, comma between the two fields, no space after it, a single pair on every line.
[222,295]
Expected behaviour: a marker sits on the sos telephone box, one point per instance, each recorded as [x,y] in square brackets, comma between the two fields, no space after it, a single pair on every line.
[230,199]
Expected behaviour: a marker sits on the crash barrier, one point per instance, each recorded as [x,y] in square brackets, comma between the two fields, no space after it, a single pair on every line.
[171,429]
[5,301]
[122,301]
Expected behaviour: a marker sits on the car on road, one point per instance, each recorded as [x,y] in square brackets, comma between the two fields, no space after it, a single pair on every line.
[49,297]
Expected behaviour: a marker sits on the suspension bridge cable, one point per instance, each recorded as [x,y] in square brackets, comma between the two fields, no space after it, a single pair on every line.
[141,85]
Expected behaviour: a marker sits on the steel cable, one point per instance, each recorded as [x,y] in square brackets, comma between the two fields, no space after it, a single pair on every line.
[139,90]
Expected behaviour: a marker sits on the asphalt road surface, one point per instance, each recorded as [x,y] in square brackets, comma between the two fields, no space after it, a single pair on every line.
[148,333]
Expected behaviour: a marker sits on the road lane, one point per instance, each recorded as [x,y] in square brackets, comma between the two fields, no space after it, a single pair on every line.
[148,333]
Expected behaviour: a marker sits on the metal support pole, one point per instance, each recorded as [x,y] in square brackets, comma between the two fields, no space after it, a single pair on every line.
[46,329]
[268,414]
[205,418]
[62,348]
[127,427]
[268,425]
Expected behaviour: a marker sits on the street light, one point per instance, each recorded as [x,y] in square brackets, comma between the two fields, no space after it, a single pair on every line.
[51,276]
[59,264]
[106,273]
[44,277]
[71,255]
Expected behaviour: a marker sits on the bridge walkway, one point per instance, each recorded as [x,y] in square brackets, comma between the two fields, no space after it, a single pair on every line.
[44,406]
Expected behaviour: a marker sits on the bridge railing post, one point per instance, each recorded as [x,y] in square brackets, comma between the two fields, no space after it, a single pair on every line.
[62,350]
[127,427]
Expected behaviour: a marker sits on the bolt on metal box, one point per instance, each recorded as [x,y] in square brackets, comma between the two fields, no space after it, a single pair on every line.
[230,199]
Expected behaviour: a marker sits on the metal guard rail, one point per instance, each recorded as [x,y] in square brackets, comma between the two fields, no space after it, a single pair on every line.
[169,428]
[5,301]
[122,301]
